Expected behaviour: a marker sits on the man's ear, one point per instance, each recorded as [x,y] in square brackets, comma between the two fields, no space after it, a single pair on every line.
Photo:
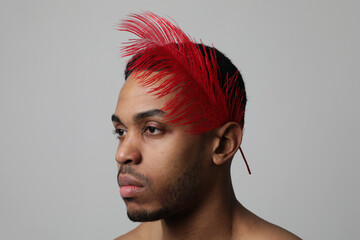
[229,139]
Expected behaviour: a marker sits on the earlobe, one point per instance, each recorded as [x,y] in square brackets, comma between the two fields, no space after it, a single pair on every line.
[229,140]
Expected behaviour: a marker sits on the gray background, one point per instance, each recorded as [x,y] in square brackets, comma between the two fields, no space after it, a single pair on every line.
[59,80]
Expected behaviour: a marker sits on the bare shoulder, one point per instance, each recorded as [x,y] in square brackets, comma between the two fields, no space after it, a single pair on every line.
[148,230]
[133,234]
[271,231]
[251,226]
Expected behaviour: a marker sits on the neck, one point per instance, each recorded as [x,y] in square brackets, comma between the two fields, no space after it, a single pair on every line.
[213,218]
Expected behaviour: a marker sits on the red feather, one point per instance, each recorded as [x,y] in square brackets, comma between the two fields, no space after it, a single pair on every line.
[199,101]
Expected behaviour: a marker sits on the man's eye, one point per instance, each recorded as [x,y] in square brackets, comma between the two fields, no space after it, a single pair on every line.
[152,130]
[120,132]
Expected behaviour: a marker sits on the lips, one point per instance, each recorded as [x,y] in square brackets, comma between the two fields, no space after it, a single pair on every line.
[129,186]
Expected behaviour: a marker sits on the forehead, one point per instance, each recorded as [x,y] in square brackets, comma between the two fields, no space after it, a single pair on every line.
[134,98]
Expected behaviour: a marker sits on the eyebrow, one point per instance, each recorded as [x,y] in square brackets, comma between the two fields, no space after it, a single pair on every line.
[115,118]
[149,113]
[141,115]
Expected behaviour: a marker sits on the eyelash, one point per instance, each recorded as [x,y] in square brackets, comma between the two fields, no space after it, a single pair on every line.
[146,131]
[117,132]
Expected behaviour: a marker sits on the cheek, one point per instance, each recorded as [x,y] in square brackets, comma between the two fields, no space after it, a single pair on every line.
[162,165]
[172,156]
[165,160]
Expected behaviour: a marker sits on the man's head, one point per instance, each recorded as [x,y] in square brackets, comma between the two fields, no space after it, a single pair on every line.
[179,118]
[165,171]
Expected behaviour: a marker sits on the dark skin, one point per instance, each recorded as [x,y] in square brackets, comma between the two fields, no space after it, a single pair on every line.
[193,169]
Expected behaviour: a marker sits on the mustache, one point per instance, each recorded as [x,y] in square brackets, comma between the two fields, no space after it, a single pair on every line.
[127,169]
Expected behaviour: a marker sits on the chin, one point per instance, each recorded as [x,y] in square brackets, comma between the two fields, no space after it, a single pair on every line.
[148,216]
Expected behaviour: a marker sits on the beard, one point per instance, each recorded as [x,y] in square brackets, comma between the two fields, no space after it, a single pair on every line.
[180,198]
[148,216]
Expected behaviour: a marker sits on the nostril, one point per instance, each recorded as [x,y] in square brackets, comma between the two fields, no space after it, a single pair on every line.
[127,161]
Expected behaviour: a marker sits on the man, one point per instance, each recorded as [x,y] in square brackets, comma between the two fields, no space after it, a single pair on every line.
[179,120]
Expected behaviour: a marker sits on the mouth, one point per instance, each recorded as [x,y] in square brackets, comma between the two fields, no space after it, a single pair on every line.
[129,186]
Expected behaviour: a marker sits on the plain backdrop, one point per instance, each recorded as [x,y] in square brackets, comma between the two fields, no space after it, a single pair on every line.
[60,74]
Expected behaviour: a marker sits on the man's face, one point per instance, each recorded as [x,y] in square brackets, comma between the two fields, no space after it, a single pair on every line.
[163,170]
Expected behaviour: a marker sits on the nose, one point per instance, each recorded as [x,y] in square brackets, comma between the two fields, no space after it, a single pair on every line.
[128,152]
